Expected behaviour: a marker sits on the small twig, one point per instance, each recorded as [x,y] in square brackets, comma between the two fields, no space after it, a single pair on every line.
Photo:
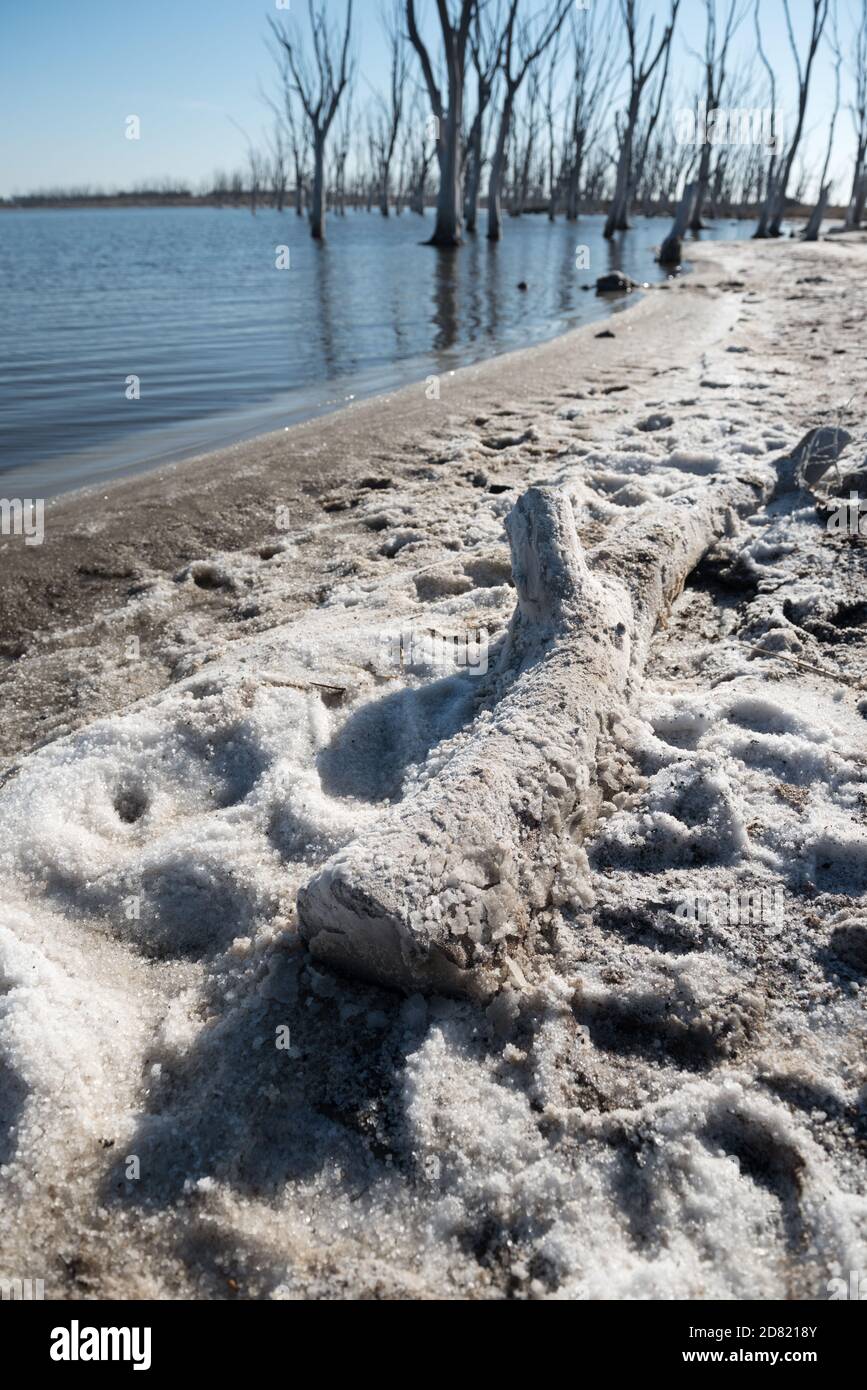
[808,666]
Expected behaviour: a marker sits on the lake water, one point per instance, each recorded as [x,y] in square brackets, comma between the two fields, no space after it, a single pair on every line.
[226,345]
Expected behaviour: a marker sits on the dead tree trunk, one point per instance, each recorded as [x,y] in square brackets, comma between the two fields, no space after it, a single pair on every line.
[551,171]
[814,226]
[484,46]
[593,67]
[317,205]
[514,70]
[858,68]
[298,144]
[320,97]
[420,163]
[767,206]
[448,231]
[672,248]
[445,890]
[389,114]
[817,216]
[641,70]
[715,76]
[774,217]
[279,168]
[498,165]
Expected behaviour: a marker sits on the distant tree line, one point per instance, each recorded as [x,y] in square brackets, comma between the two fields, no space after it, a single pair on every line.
[505,107]
[507,104]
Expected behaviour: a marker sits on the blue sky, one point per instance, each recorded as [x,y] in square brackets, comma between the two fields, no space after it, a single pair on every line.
[71,71]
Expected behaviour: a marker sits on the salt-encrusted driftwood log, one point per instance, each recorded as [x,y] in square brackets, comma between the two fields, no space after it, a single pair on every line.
[442,894]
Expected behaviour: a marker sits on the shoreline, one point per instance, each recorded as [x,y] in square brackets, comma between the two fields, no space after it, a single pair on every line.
[86,522]
[97,450]
[356,388]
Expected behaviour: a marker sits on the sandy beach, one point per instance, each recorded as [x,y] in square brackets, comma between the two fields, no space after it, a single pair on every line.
[208,691]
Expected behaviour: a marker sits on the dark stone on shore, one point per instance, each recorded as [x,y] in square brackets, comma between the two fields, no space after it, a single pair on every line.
[810,460]
[615,283]
[817,452]
[840,483]
[522,285]
[849,944]
[606,333]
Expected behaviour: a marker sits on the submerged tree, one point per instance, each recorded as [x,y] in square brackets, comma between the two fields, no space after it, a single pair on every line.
[341,153]
[858,108]
[520,48]
[526,147]
[389,112]
[299,144]
[593,68]
[257,168]
[320,92]
[418,152]
[814,226]
[447,115]
[551,174]
[766,207]
[641,67]
[771,217]
[485,50]
[279,167]
[714,60]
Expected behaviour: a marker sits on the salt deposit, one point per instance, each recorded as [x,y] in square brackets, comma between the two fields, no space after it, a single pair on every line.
[662,1100]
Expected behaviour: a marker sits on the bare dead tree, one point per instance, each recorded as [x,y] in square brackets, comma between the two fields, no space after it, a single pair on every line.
[400,192]
[279,166]
[814,225]
[667,164]
[341,153]
[320,92]
[550,119]
[520,48]
[448,114]
[389,112]
[256,168]
[714,60]
[771,178]
[298,142]
[858,109]
[526,133]
[641,67]
[299,145]
[646,129]
[594,59]
[740,164]
[485,51]
[771,218]
[420,154]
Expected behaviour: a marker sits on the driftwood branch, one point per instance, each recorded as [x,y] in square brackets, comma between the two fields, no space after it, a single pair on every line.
[443,893]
